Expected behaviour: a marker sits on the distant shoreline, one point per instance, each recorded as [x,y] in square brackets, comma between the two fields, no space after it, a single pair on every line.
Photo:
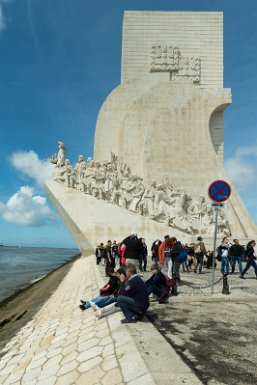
[20,307]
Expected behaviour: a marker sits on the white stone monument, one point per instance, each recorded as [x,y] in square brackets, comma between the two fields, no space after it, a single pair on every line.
[159,138]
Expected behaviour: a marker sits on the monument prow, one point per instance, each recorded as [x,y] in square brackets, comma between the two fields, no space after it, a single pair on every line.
[158,140]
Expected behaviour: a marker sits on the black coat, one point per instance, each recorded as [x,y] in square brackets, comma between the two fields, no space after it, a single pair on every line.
[136,289]
[133,247]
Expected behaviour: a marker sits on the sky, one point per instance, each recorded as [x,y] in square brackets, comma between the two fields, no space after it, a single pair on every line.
[59,61]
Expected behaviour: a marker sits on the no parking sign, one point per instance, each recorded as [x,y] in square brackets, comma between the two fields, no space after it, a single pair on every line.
[219,191]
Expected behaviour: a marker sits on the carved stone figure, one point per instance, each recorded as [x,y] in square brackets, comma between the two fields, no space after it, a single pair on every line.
[71,178]
[126,190]
[80,168]
[61,154]
[162,202]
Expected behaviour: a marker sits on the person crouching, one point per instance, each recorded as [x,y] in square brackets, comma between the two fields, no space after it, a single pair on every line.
[133,300]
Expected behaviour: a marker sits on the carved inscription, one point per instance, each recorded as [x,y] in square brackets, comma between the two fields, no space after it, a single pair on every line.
[168,59]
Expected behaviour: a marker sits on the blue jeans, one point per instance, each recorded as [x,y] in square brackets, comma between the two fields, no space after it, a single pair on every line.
[237,258]
[100,301]
[224,265]
[128,306]
[199,262]
[249,263]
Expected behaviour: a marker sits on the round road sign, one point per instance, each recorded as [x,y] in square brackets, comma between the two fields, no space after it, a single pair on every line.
[219,191]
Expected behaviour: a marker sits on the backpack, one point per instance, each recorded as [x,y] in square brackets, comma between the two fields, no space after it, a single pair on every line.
[198,249]
[183,255]
[170,282]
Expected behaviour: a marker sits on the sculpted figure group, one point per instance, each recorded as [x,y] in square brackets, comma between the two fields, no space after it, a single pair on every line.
[113,182]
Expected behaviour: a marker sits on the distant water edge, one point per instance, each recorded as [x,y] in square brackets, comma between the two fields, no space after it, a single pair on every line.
[21,267]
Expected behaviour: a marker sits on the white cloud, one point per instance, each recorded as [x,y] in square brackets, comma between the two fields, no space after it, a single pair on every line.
[242,168]
[28,163]
[26,209]
[2,17]
[246,151]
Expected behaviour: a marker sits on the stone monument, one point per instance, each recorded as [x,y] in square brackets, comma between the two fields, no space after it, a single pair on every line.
[158,139]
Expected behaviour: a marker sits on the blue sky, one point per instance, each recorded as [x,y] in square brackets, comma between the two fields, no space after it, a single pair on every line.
[59,61]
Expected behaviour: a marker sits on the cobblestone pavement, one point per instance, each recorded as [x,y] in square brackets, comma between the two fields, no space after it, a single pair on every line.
[62,345]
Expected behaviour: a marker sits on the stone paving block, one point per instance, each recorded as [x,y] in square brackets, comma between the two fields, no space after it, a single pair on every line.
[109,363]
[14,377]
[37,363]
[91,353]
[112,377]
[68,379]
[51,353]
[105,341]
[88,344]
[121,337]
[40,355]
[109,349]
[145,380]
[53,361]
[69,349]
[8,369]
[91,377]
[49,372]
[85,329]
[48,381]
[69,357]
[86,337]
[68,367]
[90,364]
[31,374]
[3,377]
[61,331]
[131,363]
[103,333]
[24,363]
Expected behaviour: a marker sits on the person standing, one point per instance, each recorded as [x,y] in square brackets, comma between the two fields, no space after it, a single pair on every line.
[223,250]
[115,252]
[132,249]
[250,259]
[98,254]
[165,260]
[236,251]
[200,252]
[110,261]
[143,256]
[175,251]
[154,249]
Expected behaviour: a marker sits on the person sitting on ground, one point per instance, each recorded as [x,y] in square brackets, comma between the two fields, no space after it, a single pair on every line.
[156,284]
[108,294]
[133,300]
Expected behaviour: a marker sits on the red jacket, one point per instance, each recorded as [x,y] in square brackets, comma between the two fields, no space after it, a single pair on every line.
[161,251]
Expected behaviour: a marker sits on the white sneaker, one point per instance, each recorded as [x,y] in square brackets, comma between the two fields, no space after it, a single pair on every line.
[93,305]
[99,313]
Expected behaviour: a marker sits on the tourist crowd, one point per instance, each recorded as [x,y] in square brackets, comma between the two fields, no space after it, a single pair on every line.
[126,262]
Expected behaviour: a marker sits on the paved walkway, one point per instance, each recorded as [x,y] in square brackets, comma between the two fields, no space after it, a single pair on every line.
[62,345]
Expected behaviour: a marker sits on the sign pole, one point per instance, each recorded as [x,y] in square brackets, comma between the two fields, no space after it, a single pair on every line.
[214,248]
[219,191]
